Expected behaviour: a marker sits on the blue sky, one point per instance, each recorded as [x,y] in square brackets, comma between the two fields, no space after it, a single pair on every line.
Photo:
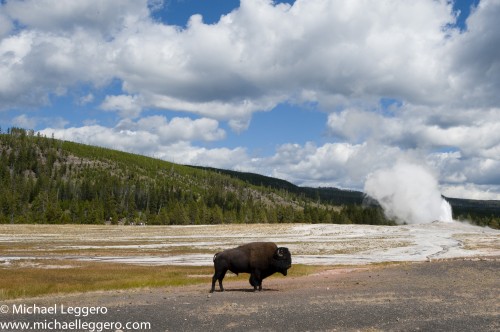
[320,93]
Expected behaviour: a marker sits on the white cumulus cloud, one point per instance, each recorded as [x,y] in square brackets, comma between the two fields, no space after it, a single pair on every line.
[341,56]
[149,135]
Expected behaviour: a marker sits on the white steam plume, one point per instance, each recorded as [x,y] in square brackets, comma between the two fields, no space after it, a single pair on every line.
[408,193]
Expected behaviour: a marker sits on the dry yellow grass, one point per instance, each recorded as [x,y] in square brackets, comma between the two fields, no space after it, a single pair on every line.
[22,282]
[33,281]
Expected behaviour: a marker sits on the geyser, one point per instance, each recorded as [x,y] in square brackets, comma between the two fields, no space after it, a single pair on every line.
[446,213]
[408,193]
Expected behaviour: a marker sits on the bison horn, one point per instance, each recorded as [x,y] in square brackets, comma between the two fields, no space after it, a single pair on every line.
[280,252]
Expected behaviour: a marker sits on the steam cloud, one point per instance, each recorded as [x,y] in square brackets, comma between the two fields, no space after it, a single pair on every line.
[409,194]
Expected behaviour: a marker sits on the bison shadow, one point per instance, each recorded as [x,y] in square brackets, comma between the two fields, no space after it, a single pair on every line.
[247,290]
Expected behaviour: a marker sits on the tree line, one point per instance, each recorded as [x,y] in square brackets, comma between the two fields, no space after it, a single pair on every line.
[45,180]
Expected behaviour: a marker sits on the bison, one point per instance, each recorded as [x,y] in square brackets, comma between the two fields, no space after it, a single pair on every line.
[260,259]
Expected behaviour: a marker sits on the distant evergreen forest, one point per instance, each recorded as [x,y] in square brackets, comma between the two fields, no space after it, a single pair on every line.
[479,212]
[45,180]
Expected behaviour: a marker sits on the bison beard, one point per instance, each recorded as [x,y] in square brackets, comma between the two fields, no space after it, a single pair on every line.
[260,259]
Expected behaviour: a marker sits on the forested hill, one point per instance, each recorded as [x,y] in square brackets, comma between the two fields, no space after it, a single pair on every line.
[482,212]
[328,195]
[44,180]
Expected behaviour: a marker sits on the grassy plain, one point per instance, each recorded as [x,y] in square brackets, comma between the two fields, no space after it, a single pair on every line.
[70,277]
[37,260]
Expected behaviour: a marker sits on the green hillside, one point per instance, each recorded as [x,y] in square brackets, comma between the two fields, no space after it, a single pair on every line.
[332,196]
[44,180]
[481,212]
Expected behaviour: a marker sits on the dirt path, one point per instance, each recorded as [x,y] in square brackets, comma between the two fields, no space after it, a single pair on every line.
[455,295]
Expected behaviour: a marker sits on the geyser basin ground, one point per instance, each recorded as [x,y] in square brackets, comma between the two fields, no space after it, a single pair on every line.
[46,245]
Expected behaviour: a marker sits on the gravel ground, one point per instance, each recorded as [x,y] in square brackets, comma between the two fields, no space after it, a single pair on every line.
[442,295]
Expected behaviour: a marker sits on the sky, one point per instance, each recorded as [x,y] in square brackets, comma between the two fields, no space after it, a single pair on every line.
[316,92]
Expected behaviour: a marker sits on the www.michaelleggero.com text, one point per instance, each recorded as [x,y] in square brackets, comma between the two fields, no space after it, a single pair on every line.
[62,318]
[73,325]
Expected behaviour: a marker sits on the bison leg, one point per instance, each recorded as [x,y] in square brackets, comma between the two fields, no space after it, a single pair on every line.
[220,281]
[258,282]
[218,275]
[255,280]
[213,284]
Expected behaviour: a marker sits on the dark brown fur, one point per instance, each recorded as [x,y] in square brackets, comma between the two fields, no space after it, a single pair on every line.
[260,259]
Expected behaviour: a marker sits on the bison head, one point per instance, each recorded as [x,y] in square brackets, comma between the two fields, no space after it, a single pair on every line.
[282,260]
